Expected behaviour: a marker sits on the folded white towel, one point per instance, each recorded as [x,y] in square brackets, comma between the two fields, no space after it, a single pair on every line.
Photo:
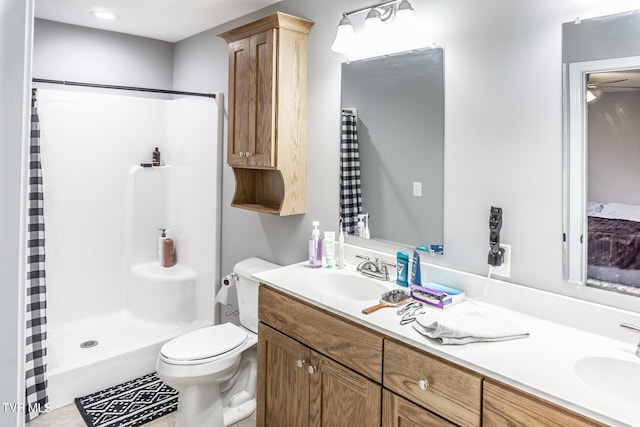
[463,328]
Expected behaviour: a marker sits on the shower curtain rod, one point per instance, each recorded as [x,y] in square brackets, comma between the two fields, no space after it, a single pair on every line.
[136,89]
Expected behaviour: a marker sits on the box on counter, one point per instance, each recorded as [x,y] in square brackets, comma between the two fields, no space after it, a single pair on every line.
[436,295]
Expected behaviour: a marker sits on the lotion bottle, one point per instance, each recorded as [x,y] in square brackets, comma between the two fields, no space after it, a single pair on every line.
[360,226]
[168,252]
[315,247]
[163,235]
[330,248]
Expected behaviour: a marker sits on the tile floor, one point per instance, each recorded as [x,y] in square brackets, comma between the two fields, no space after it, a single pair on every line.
[68,416]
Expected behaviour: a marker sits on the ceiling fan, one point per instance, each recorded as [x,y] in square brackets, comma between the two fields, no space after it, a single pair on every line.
[609,83]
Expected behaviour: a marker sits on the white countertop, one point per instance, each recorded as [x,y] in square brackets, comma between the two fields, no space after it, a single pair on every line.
[542,364]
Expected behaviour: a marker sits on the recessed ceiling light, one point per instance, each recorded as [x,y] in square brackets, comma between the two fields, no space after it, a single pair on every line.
[103,14]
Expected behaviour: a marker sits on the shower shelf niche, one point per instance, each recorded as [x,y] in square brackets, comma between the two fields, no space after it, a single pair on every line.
[154,271]
[156,293]
[162,294]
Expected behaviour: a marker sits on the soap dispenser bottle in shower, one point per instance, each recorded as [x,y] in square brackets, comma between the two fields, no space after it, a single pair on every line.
[163,235]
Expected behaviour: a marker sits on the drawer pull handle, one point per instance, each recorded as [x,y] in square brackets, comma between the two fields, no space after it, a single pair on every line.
[312,369]
[300,363]
[423,384]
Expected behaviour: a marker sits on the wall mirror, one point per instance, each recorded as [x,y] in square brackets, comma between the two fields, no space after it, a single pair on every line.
[393,108]
[601,83]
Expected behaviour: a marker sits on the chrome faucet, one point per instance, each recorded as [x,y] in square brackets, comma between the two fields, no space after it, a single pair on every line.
[376,269]
[633,328]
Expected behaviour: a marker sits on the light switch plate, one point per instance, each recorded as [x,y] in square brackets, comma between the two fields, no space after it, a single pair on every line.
[417,189]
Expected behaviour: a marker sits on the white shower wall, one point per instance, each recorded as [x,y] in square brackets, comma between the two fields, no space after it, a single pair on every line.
[90,141]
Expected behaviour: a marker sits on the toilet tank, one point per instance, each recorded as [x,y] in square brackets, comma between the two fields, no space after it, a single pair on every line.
[247,289]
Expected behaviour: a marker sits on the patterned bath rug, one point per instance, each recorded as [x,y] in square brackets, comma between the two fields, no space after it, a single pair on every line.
[133,403]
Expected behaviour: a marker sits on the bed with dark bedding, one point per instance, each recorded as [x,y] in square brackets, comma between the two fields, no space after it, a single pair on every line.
[613,243]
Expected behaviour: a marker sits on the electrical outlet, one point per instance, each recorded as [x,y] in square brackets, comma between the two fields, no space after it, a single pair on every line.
[417,189]
[505,269]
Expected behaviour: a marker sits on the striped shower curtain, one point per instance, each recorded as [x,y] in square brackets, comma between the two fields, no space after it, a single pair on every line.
[36,303]
[350,191]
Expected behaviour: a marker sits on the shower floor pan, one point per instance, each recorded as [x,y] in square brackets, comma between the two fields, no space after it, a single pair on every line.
[102,351]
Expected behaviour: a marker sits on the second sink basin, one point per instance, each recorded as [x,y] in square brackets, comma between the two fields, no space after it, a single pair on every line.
[348,287]
[615,377]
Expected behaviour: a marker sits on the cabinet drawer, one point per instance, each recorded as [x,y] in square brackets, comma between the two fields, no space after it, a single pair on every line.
[344,341]
[506,406]
[452,392]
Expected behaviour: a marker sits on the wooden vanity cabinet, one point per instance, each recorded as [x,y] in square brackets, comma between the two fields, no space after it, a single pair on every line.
[266,139]
[314,368]
[507,406]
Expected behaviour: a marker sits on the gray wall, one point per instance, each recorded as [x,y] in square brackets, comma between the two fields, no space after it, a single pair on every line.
[503,128]
[614,148]
[70,52]
[503,133]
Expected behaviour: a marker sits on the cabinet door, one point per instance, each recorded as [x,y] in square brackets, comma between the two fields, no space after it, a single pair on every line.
[251,97]
[239,101]
[399,412]
[283,380]
[341,397]
[262,110]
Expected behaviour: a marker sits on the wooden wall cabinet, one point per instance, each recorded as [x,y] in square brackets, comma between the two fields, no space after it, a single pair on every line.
[267,113]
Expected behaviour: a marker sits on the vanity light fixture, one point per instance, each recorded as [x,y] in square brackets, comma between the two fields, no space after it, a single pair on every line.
[377,15]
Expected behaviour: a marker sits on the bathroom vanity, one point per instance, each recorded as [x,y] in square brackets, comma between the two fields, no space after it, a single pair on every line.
[322,362]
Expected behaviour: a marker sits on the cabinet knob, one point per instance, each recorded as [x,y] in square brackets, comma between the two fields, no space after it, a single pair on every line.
[248,154]
[300,363]
[423,384]
[241,154]
[312,369]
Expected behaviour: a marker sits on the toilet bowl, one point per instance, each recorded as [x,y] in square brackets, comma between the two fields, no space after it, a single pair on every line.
[214,368]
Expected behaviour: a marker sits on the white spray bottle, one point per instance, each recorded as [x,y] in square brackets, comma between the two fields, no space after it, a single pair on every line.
[366,235]
[340,261]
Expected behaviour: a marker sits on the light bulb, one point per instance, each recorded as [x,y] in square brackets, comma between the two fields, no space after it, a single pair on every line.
[344,36]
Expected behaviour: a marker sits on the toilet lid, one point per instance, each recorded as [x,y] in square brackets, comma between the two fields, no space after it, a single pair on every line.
[205,342]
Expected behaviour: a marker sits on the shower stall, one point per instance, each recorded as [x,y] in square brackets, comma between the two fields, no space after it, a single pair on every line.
[110,304]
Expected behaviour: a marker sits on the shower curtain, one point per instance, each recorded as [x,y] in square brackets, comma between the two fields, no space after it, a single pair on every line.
[36,304]
[350,191]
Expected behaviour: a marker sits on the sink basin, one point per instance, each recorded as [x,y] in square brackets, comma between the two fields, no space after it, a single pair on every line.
[348,287]
[615,377]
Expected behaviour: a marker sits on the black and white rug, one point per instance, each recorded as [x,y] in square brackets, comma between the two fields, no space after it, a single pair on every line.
[133,403]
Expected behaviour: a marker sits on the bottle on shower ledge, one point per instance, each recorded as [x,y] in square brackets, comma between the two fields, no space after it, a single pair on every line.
[155,157]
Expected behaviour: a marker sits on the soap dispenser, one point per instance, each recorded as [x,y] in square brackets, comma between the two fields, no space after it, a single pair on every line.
[163,235]
[168,252]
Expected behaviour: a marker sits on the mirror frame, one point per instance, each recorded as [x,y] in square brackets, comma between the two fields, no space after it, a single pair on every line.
[575,162]
[377,243]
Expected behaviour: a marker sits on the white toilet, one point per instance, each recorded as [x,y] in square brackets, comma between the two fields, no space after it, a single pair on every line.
[214,368]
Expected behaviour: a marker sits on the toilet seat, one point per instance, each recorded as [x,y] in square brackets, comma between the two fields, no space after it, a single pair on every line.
[203,345]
